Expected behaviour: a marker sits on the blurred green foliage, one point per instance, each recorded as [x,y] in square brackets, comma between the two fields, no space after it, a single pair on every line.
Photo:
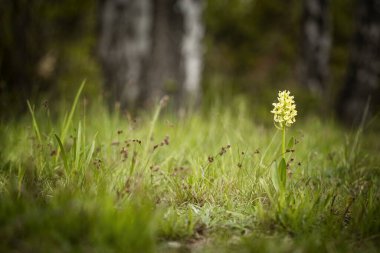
[251,48]
[41,42]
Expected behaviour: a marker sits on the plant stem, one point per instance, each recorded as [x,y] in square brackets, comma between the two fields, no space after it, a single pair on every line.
[283,142]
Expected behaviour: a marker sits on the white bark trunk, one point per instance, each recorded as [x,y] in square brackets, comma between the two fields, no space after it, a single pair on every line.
[315,45]
[192,45]
[124,46]
[150,48]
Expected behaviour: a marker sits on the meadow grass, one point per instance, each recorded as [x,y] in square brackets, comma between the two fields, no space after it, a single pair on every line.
[91,181]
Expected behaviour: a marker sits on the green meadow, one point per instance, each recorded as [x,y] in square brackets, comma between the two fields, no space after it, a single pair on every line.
[87,180]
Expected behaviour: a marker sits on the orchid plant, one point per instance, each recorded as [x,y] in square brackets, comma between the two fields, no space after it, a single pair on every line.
[284,116]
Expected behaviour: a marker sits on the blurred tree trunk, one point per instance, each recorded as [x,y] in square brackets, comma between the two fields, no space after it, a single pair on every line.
[149,48]
[315,45]
[124,47]
[362,80]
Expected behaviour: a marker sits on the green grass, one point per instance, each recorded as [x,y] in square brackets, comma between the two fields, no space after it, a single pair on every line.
[95,182]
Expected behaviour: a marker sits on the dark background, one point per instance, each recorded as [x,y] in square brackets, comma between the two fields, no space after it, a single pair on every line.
[251,48]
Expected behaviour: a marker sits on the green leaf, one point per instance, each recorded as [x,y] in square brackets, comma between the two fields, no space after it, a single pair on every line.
[282,173]
[291,143]
[275,177]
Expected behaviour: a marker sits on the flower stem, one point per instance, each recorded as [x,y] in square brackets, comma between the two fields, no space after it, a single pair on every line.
[283,142]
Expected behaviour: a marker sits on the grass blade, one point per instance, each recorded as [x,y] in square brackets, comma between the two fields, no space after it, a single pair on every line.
[78,147]
[67,120]
[64,157]
[70,117]
[35,125]
[89,155]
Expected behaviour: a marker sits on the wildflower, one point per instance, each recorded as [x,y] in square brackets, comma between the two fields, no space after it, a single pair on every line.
[285,110]
[284,116]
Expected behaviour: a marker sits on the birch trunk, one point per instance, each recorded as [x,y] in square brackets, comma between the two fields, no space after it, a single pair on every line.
[151,48]
[124,46]
[315,45]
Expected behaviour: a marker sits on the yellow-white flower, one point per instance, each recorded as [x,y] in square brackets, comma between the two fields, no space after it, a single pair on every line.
[285,110]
